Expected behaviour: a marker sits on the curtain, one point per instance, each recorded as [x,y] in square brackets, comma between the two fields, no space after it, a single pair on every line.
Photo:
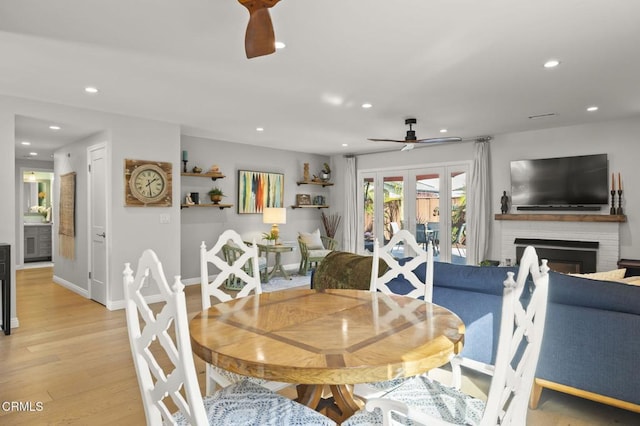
[479,197]
[350,238]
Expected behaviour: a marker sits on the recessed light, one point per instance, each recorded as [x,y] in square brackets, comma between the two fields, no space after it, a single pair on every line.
[366,105]
[27,143]
[592,108]
[259,129]
[443,130]
[345,144]
[55,127]
[280,45]
[551,63]
[91,90]
[33,154]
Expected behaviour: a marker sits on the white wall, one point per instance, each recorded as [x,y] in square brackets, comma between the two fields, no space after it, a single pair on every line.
[206,224]
[616,138]
[131,229]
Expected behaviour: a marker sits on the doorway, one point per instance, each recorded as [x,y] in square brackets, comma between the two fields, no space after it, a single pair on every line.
[35,234]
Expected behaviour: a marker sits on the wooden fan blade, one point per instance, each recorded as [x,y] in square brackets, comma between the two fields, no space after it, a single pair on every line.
[439,140]
[260,38]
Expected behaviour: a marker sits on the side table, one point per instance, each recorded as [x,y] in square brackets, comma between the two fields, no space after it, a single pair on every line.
[278,249]
[5,277]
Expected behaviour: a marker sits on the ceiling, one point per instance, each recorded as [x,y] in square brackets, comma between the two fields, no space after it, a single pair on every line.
[472,67]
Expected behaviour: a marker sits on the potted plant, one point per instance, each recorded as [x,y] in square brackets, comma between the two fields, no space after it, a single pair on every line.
[216,195]
[325,173]
[270,237]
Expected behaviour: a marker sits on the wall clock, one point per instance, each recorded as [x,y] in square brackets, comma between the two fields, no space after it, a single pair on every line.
[147,183]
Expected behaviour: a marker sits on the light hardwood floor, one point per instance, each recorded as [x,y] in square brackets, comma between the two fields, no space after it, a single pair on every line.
[72,355]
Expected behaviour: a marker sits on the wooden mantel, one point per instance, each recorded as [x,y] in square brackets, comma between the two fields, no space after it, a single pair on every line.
[564,217]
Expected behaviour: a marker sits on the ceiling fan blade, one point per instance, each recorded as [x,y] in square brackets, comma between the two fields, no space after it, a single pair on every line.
[439,140]
[260,38]
[408,147]
[388,140]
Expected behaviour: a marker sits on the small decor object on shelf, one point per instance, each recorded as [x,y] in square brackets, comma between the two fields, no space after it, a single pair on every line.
[325,173]
[195,197]
[196,169]
[319,200]
[504,202]
[214,169]
[619,211]
[306,172]
[216,195]
[188,200]
[303,199]
[185,156]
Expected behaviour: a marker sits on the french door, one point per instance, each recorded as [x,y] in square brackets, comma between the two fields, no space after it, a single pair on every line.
[430,202]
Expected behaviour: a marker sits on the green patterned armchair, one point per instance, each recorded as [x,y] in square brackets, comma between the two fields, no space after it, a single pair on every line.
[313,249]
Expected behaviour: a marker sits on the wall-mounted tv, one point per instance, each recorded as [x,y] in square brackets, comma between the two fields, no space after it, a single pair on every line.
[565,181]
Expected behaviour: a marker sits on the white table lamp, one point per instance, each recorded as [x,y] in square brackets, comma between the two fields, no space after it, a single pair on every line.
[274,216]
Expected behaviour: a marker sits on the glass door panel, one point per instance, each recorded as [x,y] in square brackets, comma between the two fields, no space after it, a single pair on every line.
[427,193]
[368,190]
[393,208]
[458,185]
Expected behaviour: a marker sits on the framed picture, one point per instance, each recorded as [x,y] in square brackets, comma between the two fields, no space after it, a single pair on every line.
[257,190]
[303,199]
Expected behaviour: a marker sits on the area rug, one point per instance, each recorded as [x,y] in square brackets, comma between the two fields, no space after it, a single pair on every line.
[281,283]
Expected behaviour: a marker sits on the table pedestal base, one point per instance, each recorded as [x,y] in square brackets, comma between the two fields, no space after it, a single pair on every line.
[334,401]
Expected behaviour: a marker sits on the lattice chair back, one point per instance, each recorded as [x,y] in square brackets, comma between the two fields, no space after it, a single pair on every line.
[227,269]
[521,331]
[407,269]
[149,337]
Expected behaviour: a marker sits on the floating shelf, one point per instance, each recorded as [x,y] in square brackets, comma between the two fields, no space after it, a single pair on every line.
[212,175]
[220,206]
[311,206]
[302,182]
[564,217]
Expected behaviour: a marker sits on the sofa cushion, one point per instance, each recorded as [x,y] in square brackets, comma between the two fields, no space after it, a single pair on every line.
[480,279]
[343,270]
[312,239]
[596,294]
[616,274]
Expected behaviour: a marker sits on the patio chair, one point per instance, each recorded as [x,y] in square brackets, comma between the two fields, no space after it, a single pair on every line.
[241,403]
[426,401]
[434,236]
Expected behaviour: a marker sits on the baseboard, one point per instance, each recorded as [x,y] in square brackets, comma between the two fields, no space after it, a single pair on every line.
[71,286]
[540,383]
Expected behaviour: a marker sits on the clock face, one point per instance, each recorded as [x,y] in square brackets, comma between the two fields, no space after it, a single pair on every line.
[149,183]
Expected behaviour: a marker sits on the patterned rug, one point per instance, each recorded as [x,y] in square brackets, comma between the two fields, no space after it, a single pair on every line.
[281,283]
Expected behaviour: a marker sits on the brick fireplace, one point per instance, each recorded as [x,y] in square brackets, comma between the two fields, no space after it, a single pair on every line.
[589,235]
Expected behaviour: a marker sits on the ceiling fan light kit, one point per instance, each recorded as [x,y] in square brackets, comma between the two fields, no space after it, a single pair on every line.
[260,38]
[410,139]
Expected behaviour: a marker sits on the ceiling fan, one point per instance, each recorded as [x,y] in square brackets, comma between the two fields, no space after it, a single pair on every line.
[259,40]
[410,139]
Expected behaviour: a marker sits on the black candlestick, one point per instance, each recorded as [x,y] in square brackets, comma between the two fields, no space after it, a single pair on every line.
[184,168]
[619,211]
[613,202]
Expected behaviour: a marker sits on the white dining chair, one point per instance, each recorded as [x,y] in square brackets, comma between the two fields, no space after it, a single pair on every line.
[230,269]
[166,371]
[413,286]
[426,401]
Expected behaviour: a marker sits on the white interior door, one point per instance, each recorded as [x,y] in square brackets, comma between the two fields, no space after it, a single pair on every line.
[98,223]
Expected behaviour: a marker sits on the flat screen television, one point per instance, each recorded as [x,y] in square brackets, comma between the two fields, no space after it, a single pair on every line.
[557,182]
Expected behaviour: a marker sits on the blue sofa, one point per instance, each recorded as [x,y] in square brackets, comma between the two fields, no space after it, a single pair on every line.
[591,344]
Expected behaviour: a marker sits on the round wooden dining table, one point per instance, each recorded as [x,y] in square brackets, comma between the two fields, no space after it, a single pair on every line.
[327,338]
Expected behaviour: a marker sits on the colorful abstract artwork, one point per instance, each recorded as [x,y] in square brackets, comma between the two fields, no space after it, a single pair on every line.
[257,190]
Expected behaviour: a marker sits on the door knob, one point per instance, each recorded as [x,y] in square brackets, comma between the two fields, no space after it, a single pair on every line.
[103,235]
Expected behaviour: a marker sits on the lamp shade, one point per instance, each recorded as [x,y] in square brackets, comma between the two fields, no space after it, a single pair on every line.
[274,215]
